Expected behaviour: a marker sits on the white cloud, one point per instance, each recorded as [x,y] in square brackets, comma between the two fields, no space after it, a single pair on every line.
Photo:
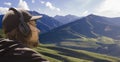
[50,6]
[42,2]
[110,5]
[58,9]
[3,10]
[22,4]
[85,13]
[33,1]
[39,9]
[109,8]
[7,3]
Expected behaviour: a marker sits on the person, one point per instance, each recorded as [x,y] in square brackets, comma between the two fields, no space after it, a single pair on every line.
[19,27]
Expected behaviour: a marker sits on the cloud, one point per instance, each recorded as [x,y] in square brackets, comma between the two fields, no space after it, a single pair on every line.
[42,2]
[39,9]
[22,4]
[3,10]
[58,9]
[109,8]
[110,5]
[7,3]
[108,13]
[50,6]
[85,13]
[33,1]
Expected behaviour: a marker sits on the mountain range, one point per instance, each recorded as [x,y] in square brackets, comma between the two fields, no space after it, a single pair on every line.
[66,19]
[90,26]
[92,33]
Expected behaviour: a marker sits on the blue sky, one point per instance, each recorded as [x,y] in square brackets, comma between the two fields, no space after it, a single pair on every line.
[109,8]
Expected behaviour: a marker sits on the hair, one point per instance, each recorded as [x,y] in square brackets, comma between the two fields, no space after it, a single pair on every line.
[16,35]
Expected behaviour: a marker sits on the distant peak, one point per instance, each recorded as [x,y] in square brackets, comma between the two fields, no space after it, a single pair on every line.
[57,15]
[68,15]
[92,15]
[34,13]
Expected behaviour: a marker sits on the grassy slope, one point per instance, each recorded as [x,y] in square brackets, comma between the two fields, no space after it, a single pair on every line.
[60,54]
[1,33]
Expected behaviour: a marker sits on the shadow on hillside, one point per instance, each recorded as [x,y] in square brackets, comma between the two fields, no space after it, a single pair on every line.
[76,54]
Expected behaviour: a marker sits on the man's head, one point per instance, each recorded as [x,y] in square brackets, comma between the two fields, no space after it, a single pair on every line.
[20,25]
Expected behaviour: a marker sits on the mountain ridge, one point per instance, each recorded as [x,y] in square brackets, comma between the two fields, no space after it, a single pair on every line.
[66,19]
[86,33]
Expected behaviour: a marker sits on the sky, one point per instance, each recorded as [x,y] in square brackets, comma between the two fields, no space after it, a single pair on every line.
[108,8]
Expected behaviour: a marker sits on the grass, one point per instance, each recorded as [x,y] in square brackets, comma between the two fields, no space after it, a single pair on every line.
[84,42]
[60,54]
[1,33]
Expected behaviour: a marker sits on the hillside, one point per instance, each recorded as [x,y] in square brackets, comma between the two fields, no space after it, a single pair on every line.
[60,54]
[1,34]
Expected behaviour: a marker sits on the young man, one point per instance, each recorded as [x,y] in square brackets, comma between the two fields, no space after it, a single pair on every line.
[20,29]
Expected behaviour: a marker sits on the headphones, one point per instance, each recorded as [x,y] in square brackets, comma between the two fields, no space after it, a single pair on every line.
[23,26]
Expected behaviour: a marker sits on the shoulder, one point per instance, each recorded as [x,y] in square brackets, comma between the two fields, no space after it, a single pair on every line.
[6,41]
[29,54]
[7,45]
[14,51]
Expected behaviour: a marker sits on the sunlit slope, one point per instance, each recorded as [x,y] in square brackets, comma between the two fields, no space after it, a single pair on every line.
[61,54]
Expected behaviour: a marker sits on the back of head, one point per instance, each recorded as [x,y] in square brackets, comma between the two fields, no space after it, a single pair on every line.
[15,25]
[11,19]
[11,23]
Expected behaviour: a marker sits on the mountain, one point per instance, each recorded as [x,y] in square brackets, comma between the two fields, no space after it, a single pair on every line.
[46,23]
[107,26]
[92,33]
[113,21]
[66,19]
[90,26]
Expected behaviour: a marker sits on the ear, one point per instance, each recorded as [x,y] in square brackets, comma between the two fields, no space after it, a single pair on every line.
[24,29]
